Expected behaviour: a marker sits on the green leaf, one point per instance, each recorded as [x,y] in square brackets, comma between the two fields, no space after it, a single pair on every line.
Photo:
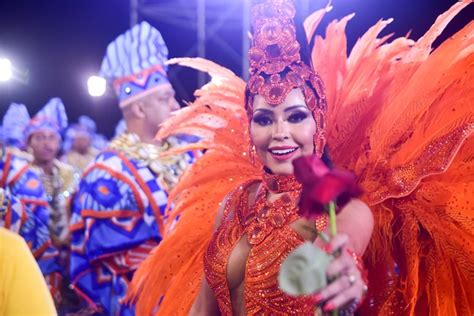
[304,270]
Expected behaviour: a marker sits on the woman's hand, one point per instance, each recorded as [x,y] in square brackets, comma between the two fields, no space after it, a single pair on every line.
[347,288]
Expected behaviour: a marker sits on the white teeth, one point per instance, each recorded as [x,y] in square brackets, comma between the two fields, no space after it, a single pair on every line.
[282,151]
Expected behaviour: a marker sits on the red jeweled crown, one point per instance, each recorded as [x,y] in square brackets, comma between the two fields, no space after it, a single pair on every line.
[276,66]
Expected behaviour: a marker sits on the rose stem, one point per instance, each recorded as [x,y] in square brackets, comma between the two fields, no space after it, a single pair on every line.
[332,219]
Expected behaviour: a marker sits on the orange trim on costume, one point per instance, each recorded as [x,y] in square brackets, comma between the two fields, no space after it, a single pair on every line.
[107,214]
[146,190]
[104,190]
[23,214]
[8,217]
[77,226]
[6,167]
[81,249]
[88,170]
[54,280]
[19,174]
[82,294]
[41,250]
[121,252]
[35,202]
[124,179]
[135,77]
[139,95]
[51,255]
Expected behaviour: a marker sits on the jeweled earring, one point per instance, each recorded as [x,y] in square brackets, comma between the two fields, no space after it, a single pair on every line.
[252,153]
[319,141]
[319,138]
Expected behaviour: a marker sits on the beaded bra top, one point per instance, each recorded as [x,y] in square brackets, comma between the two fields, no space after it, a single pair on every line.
[271,239]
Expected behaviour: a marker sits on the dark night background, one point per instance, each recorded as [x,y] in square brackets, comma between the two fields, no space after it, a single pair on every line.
[60,43]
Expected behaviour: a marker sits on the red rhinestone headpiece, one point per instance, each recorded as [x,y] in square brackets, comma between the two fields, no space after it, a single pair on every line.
[276,66]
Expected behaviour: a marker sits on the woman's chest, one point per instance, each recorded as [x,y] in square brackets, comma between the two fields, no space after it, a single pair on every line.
[236,254]
[234,262]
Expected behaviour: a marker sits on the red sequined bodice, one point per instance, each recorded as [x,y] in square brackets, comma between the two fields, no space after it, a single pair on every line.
[271,239]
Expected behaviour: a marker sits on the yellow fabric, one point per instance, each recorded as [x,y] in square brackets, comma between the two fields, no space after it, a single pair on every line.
[23,290]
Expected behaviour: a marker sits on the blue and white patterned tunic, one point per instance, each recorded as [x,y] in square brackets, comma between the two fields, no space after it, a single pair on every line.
[28,213]
[118,214]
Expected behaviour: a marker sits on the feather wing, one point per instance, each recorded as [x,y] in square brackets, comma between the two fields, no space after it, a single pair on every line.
[218,117]
[401,117]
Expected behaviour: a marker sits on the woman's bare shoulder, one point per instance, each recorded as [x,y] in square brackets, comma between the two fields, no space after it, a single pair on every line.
[227,207]
[356,220]
[356,208]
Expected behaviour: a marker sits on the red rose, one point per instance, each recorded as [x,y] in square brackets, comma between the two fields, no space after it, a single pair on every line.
[322,185]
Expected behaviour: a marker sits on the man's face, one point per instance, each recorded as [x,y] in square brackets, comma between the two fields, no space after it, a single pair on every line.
[159,105]
[81,143]
[45,145]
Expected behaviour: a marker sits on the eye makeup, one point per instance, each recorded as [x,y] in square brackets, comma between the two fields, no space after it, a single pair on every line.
[297,116]
[262,119]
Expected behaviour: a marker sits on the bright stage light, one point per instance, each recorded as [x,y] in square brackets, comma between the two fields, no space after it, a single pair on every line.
[96,86]
[6,71]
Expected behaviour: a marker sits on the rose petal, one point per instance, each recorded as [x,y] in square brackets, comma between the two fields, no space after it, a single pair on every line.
[329,188]
[322,185]
[308,168]
[308,208]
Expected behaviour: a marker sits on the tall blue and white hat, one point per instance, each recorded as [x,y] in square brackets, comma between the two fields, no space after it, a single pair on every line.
[88,124]
[86,127]
[136,63]
[51,117]
[14,122]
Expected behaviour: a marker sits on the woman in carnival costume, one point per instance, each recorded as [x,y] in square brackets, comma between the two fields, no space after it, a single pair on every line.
[408,140]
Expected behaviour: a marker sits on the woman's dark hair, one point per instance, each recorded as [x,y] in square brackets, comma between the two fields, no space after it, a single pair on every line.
[326,158]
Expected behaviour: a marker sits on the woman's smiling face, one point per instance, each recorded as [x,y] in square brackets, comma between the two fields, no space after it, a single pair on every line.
[282,133]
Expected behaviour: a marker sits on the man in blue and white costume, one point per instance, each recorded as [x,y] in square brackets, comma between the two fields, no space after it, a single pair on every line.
[43,136]
[78,147]
[118,212]
[28,211]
